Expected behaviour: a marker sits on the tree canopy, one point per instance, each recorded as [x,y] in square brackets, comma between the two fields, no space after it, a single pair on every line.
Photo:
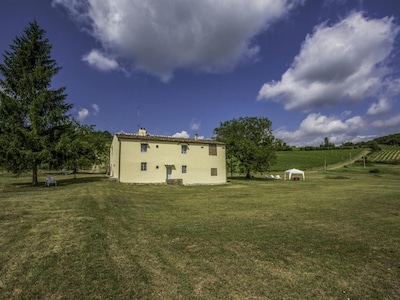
[33,114]
[82,147]
[249,142]
[392,139]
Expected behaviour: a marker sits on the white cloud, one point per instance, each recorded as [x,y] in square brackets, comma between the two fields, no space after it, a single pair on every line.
[343,62]
[315,127]
[392,87]
[195,125]
[393,122]
[100,61]
[346,113]
[96,109]
[83,114]
[382,107]
[158,37]
[182,134]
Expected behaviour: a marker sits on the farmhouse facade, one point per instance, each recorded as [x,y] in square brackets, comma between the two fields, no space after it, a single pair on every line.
[144,158]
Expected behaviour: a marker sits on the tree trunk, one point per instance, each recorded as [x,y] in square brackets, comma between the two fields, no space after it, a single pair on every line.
[34,175]
[248,176]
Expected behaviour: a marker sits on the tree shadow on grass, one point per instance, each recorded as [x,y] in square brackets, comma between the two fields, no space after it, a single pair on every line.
[62,180]
[244,179]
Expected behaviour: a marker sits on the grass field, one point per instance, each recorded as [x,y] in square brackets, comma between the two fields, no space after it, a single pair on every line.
[334,236]
[315,159]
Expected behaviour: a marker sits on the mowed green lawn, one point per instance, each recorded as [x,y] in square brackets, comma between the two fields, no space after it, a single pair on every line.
[334,236]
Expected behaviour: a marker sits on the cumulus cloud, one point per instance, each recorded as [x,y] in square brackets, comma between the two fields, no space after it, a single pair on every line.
[182,134]
[158,37]
[96,109]
[100,61]
[315,127]
[343,62]
[194,125]
[393,122]
[83,114]
[383,106]
[346,113]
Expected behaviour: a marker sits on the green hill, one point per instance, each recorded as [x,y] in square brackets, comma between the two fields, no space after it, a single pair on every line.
[315,159]
[389,153]
[392,139]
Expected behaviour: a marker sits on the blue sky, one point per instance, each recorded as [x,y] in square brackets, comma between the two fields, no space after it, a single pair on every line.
[316,69]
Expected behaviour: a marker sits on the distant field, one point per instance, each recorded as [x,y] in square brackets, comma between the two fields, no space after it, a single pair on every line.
[333,236]
[388,154]
[308,160]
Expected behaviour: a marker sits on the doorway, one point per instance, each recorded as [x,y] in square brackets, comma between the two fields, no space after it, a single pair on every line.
[169,172]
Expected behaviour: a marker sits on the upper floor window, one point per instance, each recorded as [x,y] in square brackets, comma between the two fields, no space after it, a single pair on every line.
[212,149]
[184,149]
[143,147]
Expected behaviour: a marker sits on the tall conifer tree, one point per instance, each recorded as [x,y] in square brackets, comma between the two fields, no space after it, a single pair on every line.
[32,113]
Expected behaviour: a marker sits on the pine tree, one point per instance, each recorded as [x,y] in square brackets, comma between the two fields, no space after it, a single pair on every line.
[32,113]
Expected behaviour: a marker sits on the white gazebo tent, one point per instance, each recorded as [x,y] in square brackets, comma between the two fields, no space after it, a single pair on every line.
[291,172]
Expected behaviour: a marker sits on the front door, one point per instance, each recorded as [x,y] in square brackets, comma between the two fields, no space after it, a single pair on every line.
[169,172]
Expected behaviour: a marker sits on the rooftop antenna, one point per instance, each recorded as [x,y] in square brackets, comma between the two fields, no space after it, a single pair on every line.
[138,116]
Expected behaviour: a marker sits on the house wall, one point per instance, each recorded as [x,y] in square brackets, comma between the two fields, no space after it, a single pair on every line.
[163,154]
[114,158]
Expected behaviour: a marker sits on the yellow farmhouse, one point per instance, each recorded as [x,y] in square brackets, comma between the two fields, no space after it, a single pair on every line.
[144,158]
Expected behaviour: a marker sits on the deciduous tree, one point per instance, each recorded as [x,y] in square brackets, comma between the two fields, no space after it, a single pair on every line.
[82,147]
[250,141]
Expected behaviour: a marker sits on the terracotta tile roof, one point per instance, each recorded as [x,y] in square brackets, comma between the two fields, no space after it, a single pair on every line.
[155,138]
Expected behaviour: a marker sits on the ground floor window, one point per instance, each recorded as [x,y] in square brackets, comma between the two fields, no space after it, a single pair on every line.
[143,166]
[184,169]
[214,172]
